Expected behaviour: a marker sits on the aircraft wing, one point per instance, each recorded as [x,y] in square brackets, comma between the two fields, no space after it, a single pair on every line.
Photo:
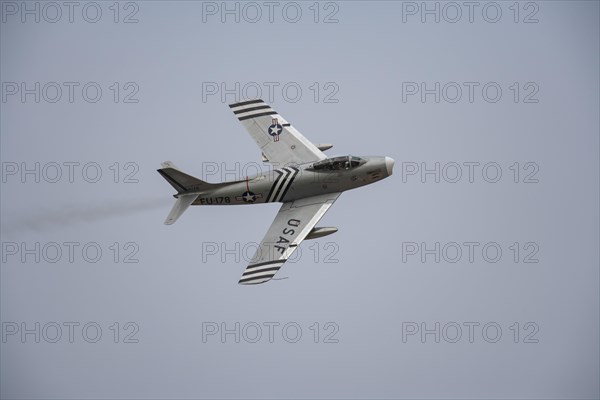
[280,142]
[293,222]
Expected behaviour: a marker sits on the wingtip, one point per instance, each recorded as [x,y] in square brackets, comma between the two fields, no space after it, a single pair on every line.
[256,280]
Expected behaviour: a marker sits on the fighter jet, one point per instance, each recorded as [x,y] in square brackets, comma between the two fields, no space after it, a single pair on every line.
[303,178]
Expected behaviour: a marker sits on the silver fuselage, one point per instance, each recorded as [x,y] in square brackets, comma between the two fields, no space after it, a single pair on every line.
[296,182]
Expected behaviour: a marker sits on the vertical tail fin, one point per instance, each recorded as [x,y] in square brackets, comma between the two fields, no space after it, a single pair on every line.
[182,182]
[187,187]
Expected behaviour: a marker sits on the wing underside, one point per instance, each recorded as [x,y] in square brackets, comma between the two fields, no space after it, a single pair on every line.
[293,223]
[278,140]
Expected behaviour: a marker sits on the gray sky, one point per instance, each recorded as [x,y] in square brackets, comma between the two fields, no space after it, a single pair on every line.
[491,115]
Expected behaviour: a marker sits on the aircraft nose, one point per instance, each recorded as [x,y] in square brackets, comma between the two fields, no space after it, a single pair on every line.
[389,164]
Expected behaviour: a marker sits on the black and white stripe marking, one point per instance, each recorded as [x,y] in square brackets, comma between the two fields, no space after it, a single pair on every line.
[288,183]
[282,184]
[261,272]
[251,109]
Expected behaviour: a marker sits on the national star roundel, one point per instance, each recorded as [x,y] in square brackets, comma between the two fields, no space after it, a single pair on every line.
[249,197]
[275,129]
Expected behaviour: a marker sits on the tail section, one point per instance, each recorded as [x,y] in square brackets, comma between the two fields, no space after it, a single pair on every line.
[182,204]
[187,188]
[182,182]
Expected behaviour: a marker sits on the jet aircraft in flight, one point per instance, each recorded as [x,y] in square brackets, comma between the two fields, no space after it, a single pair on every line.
[303,178]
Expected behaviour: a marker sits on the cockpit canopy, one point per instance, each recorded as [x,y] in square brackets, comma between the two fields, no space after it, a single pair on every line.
[337,163]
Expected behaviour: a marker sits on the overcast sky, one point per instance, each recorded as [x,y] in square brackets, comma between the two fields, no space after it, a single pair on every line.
[472,272]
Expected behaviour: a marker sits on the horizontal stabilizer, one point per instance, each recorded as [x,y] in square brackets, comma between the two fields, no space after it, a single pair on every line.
[182,204]
[181,181]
